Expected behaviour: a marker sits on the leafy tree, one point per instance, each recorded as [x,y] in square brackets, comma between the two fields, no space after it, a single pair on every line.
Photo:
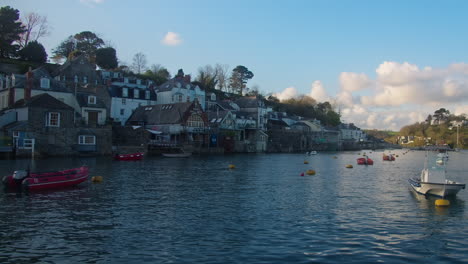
[158,74]
[207,78]
[139,63]
[86,42]
[239,77]
[36,26]
[10,31]
[34,51]
[106,58]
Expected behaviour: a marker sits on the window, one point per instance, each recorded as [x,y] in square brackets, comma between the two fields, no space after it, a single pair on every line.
[86,140]
[195,121]
[124,92]
[180,98]
[136,93]
[45,83]
[124,101]
[85,79]
[147,95]
[53,119]
[91,99]
[64,78]
[122,111]
[76,78]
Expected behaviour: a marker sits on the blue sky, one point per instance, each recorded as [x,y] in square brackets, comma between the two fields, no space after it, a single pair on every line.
[384,64]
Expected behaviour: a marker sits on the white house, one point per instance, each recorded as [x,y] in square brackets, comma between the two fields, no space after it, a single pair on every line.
[180,90]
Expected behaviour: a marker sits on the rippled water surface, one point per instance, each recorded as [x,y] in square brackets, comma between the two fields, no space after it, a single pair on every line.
[196,210]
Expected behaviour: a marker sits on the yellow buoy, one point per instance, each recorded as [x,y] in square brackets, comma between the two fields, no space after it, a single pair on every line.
[335,157]
[310,172]
[306,162]
[349,166]
[442,202]
[231,166]
[96,179]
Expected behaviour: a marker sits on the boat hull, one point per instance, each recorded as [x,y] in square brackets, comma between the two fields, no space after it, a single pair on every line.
[436,189]
[48,180]
[129,157]
[177,155]
[363,161]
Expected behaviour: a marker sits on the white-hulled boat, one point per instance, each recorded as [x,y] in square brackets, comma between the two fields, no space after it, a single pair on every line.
[177,153]
[432,181]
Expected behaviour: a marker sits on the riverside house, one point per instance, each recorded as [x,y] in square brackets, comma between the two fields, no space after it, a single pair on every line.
[174,124]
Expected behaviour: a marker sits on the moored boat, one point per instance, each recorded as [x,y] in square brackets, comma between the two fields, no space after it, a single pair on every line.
[127,157]
[177,153]
[388,157]
[365,161]
[432,181]
[37,181]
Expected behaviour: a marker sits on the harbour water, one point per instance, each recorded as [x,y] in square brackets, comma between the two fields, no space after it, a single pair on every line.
[196,210]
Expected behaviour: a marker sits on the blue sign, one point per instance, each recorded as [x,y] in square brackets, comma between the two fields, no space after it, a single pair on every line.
[213,140]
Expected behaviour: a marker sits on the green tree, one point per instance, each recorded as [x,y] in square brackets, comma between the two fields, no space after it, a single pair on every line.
[158,74]
[10,31]
[86,42]
[34,51]
[207,78]
[106,58]
[239,77]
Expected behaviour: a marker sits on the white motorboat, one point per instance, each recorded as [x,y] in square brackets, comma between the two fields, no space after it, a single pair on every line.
[433,181]
[177,153]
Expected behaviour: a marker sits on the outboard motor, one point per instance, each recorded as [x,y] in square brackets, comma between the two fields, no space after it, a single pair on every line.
[18,177]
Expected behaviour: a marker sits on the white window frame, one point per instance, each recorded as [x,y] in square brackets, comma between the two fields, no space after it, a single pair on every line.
[82,140]
[85,79]
[91,99]
[53,122]
[124,101]
[122,111]
[136,93]
[147,95]
[124,92]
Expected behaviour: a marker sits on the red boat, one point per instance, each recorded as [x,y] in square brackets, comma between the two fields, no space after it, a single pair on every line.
[133,156]
[365,161]
[389,157]
[23,180]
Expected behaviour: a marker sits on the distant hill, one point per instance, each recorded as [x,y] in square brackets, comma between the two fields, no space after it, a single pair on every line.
[387,135]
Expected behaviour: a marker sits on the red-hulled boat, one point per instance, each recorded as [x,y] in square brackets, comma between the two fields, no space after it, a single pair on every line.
[133,156]
[365,161]
[389,157]
[37,181]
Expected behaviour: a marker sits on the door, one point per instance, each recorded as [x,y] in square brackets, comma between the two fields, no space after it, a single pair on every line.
[92,118]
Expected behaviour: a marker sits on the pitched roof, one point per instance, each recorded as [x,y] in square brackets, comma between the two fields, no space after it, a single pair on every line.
[247,102]
[176,82]
[43,100]
[160,114]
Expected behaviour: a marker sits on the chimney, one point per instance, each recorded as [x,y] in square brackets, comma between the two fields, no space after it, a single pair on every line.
[29,85]
[187,78]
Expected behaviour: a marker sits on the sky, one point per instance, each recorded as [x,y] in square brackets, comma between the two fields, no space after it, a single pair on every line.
[382,64]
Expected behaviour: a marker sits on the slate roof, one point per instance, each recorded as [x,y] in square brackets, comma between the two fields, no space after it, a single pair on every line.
[43,100]
[82,99]
[247,102]
[116,91]
[160,114]
[173,83]
[216,115]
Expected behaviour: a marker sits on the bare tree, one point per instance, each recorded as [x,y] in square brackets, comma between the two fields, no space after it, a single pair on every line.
[222,71]
[139,63]
[36,27]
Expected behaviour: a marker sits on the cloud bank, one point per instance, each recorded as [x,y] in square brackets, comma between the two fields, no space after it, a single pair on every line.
[171,39]
[400,94]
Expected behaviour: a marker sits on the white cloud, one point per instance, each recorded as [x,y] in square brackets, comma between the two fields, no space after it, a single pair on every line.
[351,81]
[318,92]
[171,39]
[286,94]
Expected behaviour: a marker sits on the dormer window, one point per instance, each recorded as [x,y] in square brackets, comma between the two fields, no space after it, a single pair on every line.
[124,92]
[213,97]
[147,95]
[85,79]
[45,83]
[136,93]
[76,78]
[180,98]
[91,99]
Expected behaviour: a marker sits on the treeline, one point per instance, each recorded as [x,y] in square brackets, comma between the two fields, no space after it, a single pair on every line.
[19,39]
